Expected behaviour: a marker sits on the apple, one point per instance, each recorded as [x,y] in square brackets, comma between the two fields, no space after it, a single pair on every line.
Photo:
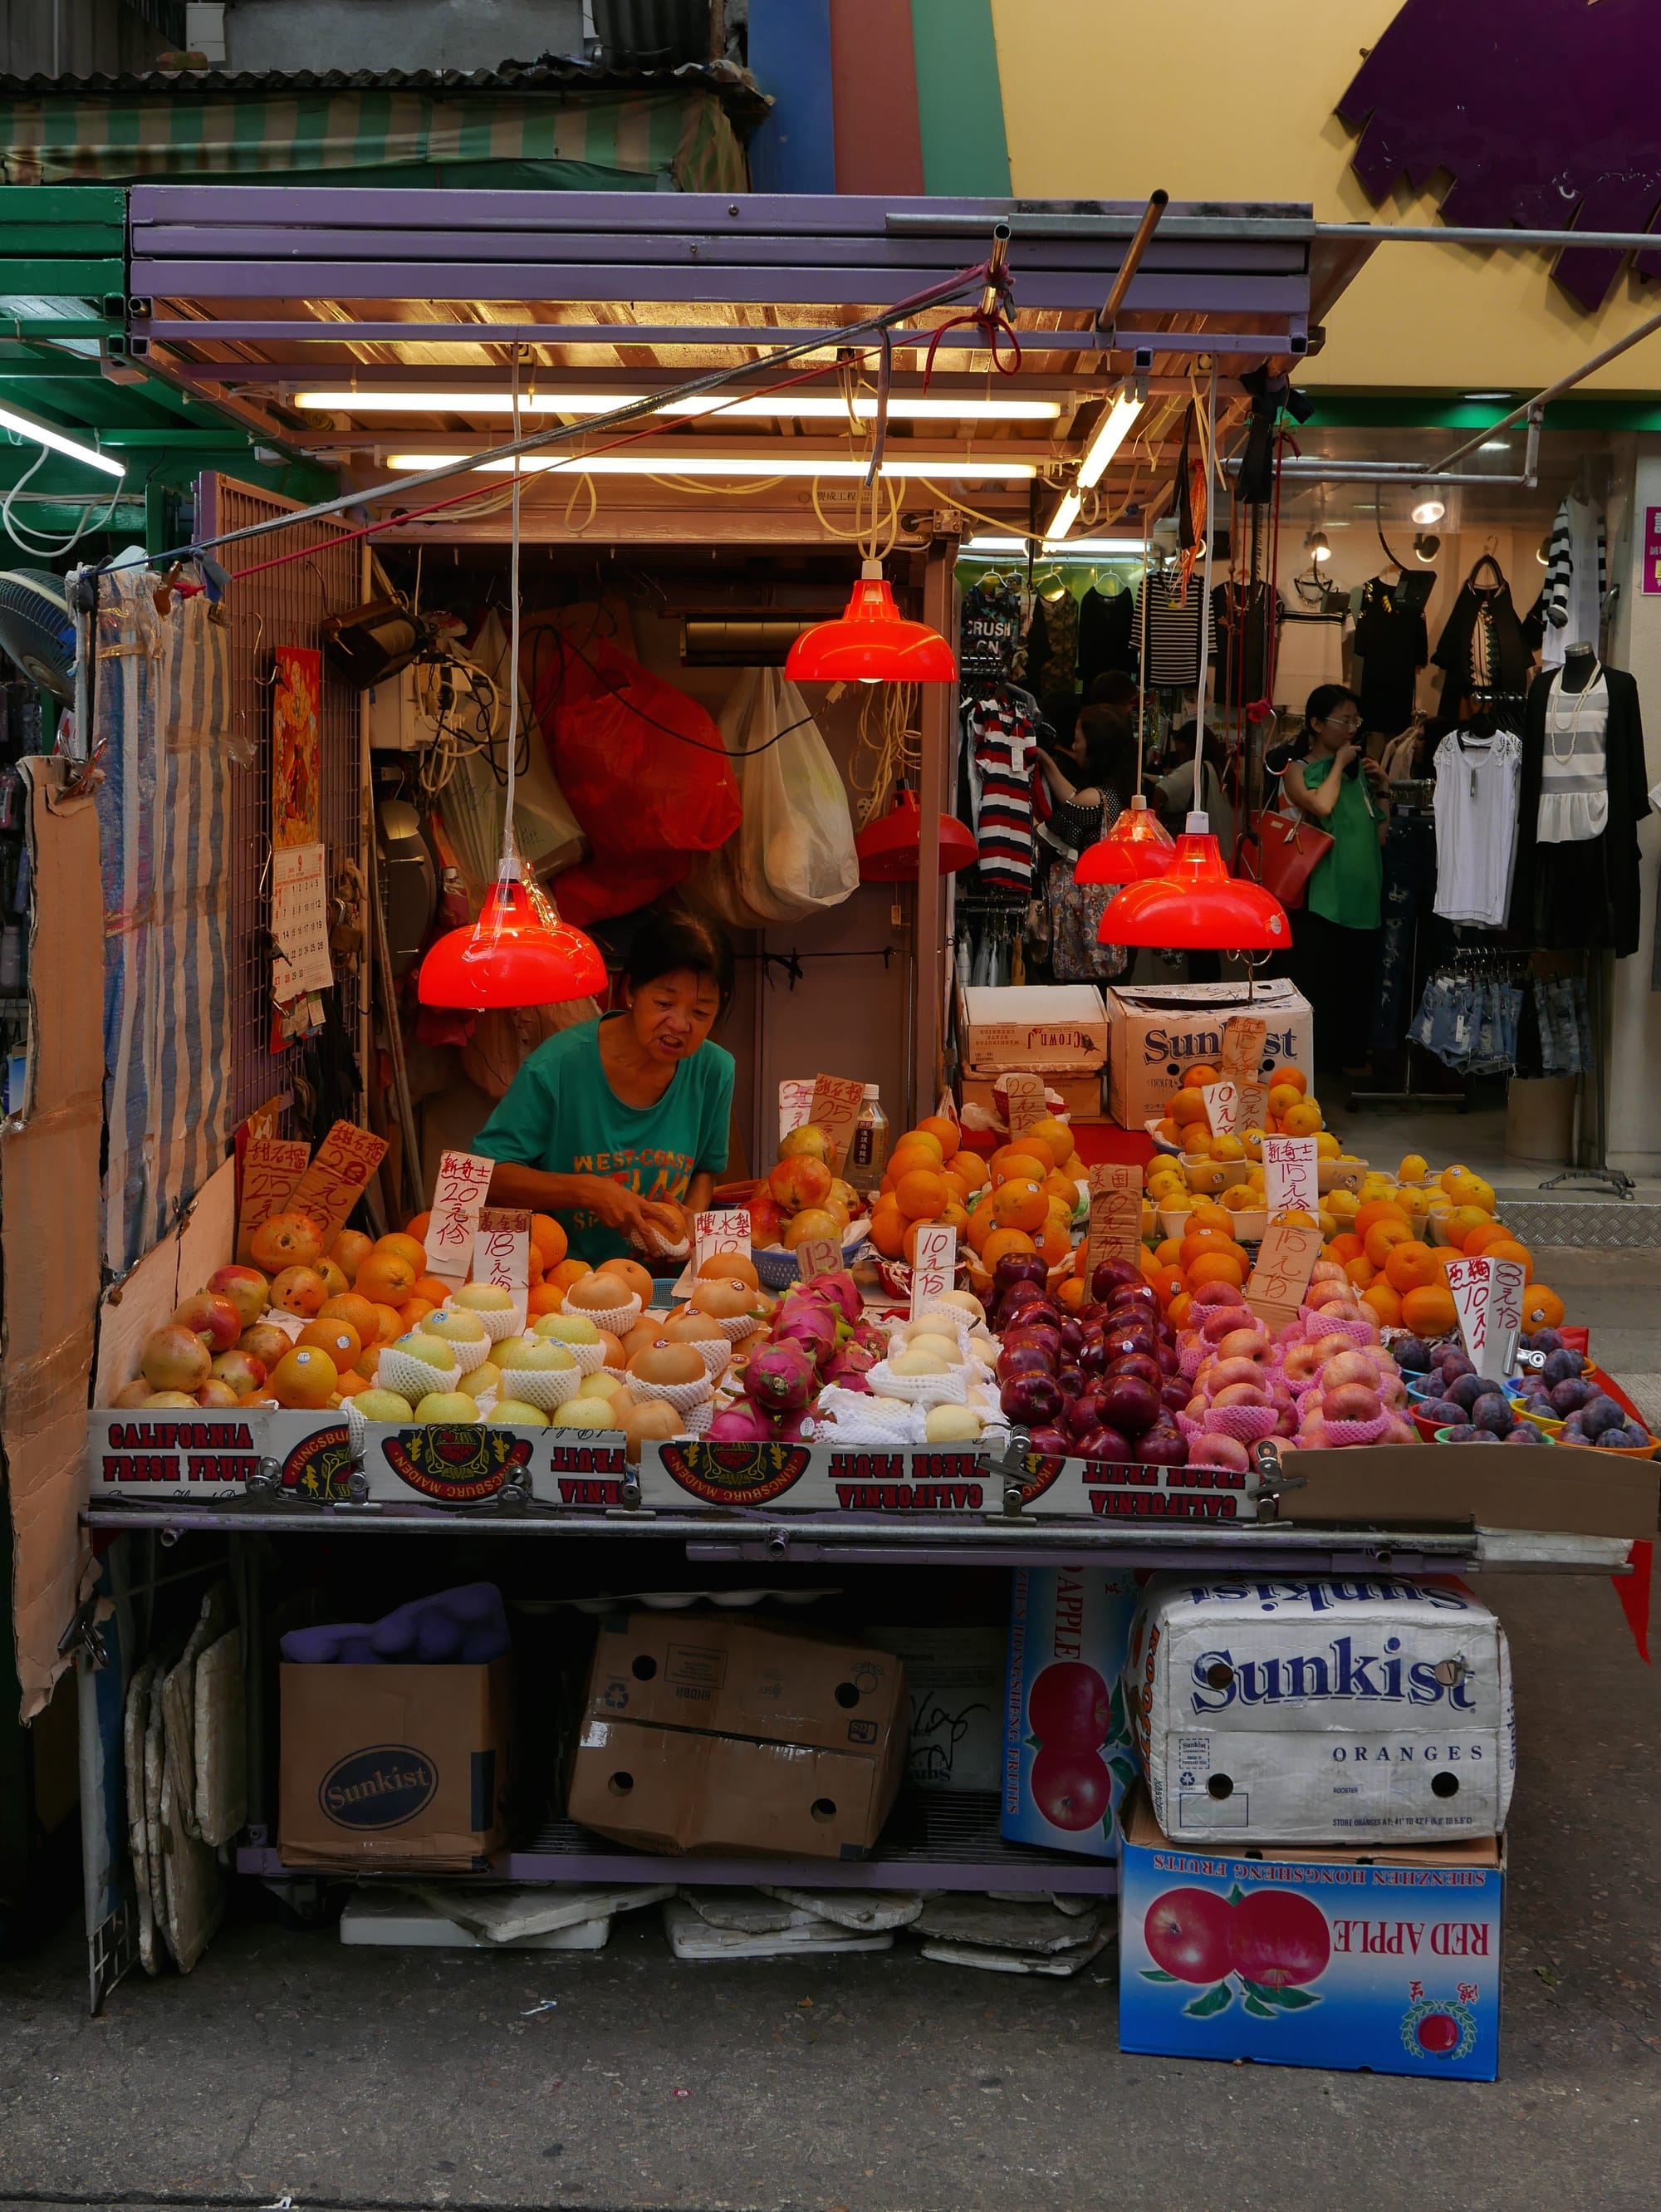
[1188,1934]
[533,1355]
[1140,1363]
[1032,1400]
[1129,1403]
[463,1327]
[1103,1443]
[1019,1267]
[1438,2033]
[483,1297]
[175,1358]
[240,1371]
[1110,1275]
[1053,1444]
[384,1406]
[1277,1938]
[245,1287]
[515,1413]
[451,1405]
[1069,1705]
[1072,1788]
[1023,1358]
[566,1328]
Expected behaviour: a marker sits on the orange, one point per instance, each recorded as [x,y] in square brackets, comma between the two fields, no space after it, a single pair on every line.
[1169,1253]
[1486,1233]
[1302,1118]
[1203,1240]
[389,1323]
[1206,1215]
[921,1194]
[1375,1211]
[348,1382]
[1167,1132]
[1058,1186]
[1429,1311]
[945,1131]
[1073,1293]
[1294,1216]
[1345,1247]
[1411,1265]
[1542,1308]
[418,1226]
[905,1157]
[970,1166]
[388,1278]
[1288,1077]
[1180,1308]
[1382,1238]
[1053,1133]
[1216,1267]
[953,1217]
[1460,1222]
[1360,1272]
[1055,1246]
[1199,1075]
[1169,1282]
[888,1231]
[981,1226]
[1226,1148]
[411,1247]
[1385,1302]
[548,1240]
[1002,1243]
[544,1299]
[1507,1248]
[350,1307]
[1281,1096]
[349,1249]
[929,1142]
[1014,1164]
[413,1311]
[1020,1205]
[567,1273]
[1188,1109]
[306,1377]
[959,1190]
[430,1288]
[338,1338]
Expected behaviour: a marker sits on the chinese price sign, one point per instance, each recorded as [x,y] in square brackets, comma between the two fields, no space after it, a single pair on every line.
[1487,1298]
[1285,1260]
[1245,1040]
[935,1266]
[1222,1106]
[817,1256]
[1290,1176]
[711,1233]
[271,1166]
[458,1198]
[1115,1213]
[334,1183]
[836,1102]
[795,1105]
[1027,1104]
[1652,551]
[501,1248]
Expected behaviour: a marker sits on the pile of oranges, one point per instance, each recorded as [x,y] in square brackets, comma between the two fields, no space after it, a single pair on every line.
[1291,1112]
[1021,1200]
[1376,1237]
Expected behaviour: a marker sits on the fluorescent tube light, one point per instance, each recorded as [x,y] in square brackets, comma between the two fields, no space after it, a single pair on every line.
[777,462]
[1107,438]
[816,406]
[43,434]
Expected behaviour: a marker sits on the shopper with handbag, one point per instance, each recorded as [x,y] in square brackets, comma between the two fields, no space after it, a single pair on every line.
[1335,938]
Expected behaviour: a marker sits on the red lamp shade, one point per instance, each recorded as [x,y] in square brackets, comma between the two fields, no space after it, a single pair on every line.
[1137,848]
[889,849]
[871,643]
[1196,906]
[510,958]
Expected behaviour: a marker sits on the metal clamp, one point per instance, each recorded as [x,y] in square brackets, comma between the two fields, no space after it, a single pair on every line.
[1273,1478]
[83,1639]
[1010,1472]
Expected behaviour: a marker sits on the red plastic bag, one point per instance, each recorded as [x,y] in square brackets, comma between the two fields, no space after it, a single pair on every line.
[644,771]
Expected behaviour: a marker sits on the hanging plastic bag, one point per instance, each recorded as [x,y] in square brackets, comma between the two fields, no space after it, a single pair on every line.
[643,769]
[793,854]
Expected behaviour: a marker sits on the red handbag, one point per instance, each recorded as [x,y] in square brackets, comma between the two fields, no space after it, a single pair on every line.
[1283,852]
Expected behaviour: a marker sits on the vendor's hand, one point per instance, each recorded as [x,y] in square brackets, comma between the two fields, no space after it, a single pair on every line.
[619,1207]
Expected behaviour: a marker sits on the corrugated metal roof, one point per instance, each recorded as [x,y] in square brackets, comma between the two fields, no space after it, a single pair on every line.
[736,88]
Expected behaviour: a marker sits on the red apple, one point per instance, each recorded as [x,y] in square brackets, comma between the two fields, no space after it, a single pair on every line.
[1110,1275]
[175,1358]
[215,1320]
[1019,1267]
[1083,1414]
[1139,1363]
[1032,1400]
[1069,1705]
[1278,1938]
[1130,1403]
[1162,1447]
[1070,1381]
[1052,1443]
[1187,1934]
[1103,1443]
[1073,1789]
[245,1287]
[1438,2033]
[1023,1358]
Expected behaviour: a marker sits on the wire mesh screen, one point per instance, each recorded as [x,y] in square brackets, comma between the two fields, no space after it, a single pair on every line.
[281,607]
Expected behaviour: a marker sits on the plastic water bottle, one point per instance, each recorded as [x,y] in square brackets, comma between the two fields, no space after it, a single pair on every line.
[868,1152]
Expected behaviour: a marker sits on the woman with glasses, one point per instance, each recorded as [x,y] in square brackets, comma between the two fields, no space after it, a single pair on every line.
[1335,939]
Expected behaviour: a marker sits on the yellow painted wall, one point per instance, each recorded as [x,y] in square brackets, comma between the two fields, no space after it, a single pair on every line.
[1234,100]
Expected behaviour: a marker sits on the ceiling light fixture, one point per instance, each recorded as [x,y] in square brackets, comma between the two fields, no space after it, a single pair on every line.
[1136,849]
[1494,445]
[775,461]
[1426,546]
[1105,441]
[1062,520]
[1487,395]
[1196,906]
[1078,548]
[890,848]
[1315,545]
[43,434]
[871,642]
[1428,505]
[814,407]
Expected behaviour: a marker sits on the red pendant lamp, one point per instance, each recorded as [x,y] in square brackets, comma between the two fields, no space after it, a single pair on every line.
[871,642]
[510,956]
[1137,848]
[890,848]
[1196,906]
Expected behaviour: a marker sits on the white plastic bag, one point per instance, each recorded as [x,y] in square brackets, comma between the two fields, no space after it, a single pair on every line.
[792,854]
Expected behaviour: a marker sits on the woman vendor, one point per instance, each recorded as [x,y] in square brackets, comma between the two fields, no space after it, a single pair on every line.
[619,1127]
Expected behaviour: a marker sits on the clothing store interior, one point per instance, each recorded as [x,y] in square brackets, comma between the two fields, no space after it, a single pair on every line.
[1476,872]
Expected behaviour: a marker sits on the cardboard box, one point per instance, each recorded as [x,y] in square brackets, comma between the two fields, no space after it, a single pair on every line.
[954,1677]
[1082,1097]
[703,1735]
[395,1767]
[1031,1025]
[1574,1490]
[1157,1033]
[1383,1960]
[1067,1758]
[1321,1710]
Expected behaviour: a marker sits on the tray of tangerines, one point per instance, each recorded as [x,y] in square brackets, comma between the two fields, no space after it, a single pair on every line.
[1023,1199]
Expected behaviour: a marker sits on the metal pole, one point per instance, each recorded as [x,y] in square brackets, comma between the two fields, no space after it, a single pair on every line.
[937,723]
[1564,384]
[1213,486]
[1157,203]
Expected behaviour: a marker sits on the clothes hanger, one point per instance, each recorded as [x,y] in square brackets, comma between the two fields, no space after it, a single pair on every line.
[1486,560]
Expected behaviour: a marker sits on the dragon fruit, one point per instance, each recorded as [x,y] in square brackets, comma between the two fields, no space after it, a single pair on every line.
[780,1377]
[841,1290]
[811,1328]
[742,1424]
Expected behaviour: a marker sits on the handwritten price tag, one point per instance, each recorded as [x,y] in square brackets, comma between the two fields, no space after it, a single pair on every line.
[817,1256]
[458,1197]
[795,1105]
[714,1233]
[1245,1040]
[1222,1106]
[1291,1179]
[836,1102]
[334,1183]
[935,1266]
[1115,1230]
[1285,1260]
[502,1250]
[1487,1298]
[1027,1104]
[271,1166]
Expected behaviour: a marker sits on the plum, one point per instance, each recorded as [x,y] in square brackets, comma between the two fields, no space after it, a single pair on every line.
[1570,1395]
[1442,1412]
[1466,1389]
[1466,1434]
[1413,1355]
[1562,1366]
[1602,1414]
[1544,1340]
[1452,1362]
[1523,1433]
[1625,1439]
[1491,1413]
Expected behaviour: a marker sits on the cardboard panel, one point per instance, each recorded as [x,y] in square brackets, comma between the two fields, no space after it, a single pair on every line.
[1592,1494]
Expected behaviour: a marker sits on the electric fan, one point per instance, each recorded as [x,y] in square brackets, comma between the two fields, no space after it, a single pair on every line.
[35,630]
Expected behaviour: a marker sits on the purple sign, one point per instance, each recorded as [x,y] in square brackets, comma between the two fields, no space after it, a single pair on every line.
[1651,552]
[1542,110]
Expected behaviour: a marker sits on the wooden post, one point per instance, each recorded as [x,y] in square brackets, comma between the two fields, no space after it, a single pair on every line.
[938,721]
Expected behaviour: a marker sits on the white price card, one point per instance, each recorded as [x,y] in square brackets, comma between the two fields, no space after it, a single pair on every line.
[1487,1298]
[936,1264]
[1223,1107]
[501,1248]
[1291,1178]
[795,1105]
[727,1231]
[458,1197]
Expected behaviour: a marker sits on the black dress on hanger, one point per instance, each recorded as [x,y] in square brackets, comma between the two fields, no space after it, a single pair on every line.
[1482,647]
[1583,896]
[1392,645]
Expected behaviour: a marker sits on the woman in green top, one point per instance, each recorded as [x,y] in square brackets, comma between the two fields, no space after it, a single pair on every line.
[619,1127]
[1335,940]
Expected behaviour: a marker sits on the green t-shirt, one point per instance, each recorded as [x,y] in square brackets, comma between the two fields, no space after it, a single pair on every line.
[1347,884]
[562,1115]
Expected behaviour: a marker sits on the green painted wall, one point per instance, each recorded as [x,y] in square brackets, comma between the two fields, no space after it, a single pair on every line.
[960,100]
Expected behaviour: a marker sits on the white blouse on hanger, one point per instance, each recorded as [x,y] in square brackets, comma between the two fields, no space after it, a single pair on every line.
[1477,781]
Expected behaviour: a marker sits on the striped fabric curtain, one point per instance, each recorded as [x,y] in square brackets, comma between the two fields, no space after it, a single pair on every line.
[160,719]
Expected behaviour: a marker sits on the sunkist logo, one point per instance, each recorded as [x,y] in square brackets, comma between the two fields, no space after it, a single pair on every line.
[380,1787]
[1162,1044]
[1340,1671]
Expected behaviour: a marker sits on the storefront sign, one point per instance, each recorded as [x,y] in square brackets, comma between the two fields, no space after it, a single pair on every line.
[714,1233]
[296,779]
[1487,1298]
[1115,1213]
[458,1196]
[1290,1174]
[334,1183]
[935,1265]
[299,923]
[271,1166]
[501,1248]
[1652,551]
[1285,1260]
[1027,1101]
[836,1102]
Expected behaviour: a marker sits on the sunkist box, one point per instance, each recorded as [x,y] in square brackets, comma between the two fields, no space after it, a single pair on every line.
[1067,1758]
[395,1767]
[1385,1958]
[1321,1709]
[1156,1035]
[707,1735]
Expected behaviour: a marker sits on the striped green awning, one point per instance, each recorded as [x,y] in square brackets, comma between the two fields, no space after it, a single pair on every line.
[568,141]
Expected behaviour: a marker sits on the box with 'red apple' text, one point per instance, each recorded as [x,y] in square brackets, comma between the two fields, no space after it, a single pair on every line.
[1067,1758]
[1386,1958]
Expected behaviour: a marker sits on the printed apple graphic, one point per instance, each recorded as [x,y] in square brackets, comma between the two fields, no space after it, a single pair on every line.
[1278,1939]
[1070,1707]
[1437,2033]
[1187,1934]
[1072,1788]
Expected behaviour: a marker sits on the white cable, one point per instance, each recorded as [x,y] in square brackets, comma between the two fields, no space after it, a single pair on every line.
[43,549]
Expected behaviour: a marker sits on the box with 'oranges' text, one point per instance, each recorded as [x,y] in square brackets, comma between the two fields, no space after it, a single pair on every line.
[1385,1959]
[1156,1035]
